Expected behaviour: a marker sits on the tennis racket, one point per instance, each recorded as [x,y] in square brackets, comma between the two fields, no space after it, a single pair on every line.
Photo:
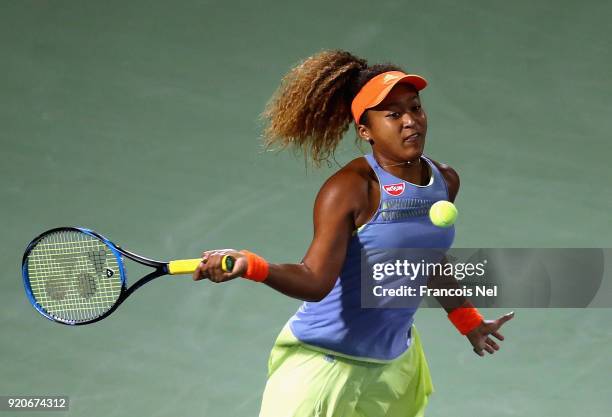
[76,276]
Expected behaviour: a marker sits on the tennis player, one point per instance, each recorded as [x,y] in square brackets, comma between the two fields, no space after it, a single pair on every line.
[334,358]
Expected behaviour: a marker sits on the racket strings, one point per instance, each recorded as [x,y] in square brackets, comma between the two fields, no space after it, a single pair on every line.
[74,276]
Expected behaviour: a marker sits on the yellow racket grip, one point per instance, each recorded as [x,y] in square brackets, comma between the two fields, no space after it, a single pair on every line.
[187,266]
[183,266]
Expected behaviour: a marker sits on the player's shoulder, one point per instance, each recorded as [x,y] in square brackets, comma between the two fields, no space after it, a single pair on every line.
[451,176]
[355,173]
[351,180]
[445,169]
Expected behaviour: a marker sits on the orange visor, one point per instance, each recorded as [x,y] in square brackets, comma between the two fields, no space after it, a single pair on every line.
[375,90]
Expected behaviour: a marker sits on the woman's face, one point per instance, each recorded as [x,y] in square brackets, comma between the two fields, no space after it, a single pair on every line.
[398,125]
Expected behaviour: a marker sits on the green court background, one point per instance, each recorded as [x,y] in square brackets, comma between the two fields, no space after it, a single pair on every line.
[140,119]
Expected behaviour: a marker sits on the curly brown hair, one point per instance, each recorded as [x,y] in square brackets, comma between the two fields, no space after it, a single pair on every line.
[311,109]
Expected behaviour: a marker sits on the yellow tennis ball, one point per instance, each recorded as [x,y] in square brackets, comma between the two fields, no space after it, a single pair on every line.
[443,213]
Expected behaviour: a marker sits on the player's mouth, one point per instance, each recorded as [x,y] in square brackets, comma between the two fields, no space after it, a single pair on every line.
[414,137]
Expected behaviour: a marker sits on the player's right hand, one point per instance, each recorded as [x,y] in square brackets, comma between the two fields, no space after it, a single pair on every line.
[210,267]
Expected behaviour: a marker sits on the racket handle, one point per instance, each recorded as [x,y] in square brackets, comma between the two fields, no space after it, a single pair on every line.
[227,263]
[183,266]
[187,266]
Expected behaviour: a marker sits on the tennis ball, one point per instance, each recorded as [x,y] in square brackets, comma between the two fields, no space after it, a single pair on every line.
[443,213]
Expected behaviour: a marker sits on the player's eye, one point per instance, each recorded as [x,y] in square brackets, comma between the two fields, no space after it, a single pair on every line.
[417,109]
[394,115]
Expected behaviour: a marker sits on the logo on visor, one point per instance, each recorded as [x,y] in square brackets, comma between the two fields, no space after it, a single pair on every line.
[390,77]
[395,189]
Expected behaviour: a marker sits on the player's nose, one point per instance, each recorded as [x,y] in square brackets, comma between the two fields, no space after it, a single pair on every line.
[408,120]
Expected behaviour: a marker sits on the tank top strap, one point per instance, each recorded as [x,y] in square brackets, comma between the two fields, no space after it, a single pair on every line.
[437,176]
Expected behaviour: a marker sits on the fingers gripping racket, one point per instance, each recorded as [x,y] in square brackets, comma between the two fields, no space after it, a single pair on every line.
[76,276]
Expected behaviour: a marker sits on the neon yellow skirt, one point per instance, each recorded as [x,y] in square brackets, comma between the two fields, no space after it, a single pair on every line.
[305,382]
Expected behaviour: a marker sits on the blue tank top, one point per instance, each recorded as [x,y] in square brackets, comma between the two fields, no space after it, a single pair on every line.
[338,324]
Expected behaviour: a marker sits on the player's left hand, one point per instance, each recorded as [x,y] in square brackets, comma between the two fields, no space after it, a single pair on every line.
[480,339]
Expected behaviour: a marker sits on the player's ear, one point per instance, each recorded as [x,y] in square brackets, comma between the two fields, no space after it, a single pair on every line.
[364,133]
